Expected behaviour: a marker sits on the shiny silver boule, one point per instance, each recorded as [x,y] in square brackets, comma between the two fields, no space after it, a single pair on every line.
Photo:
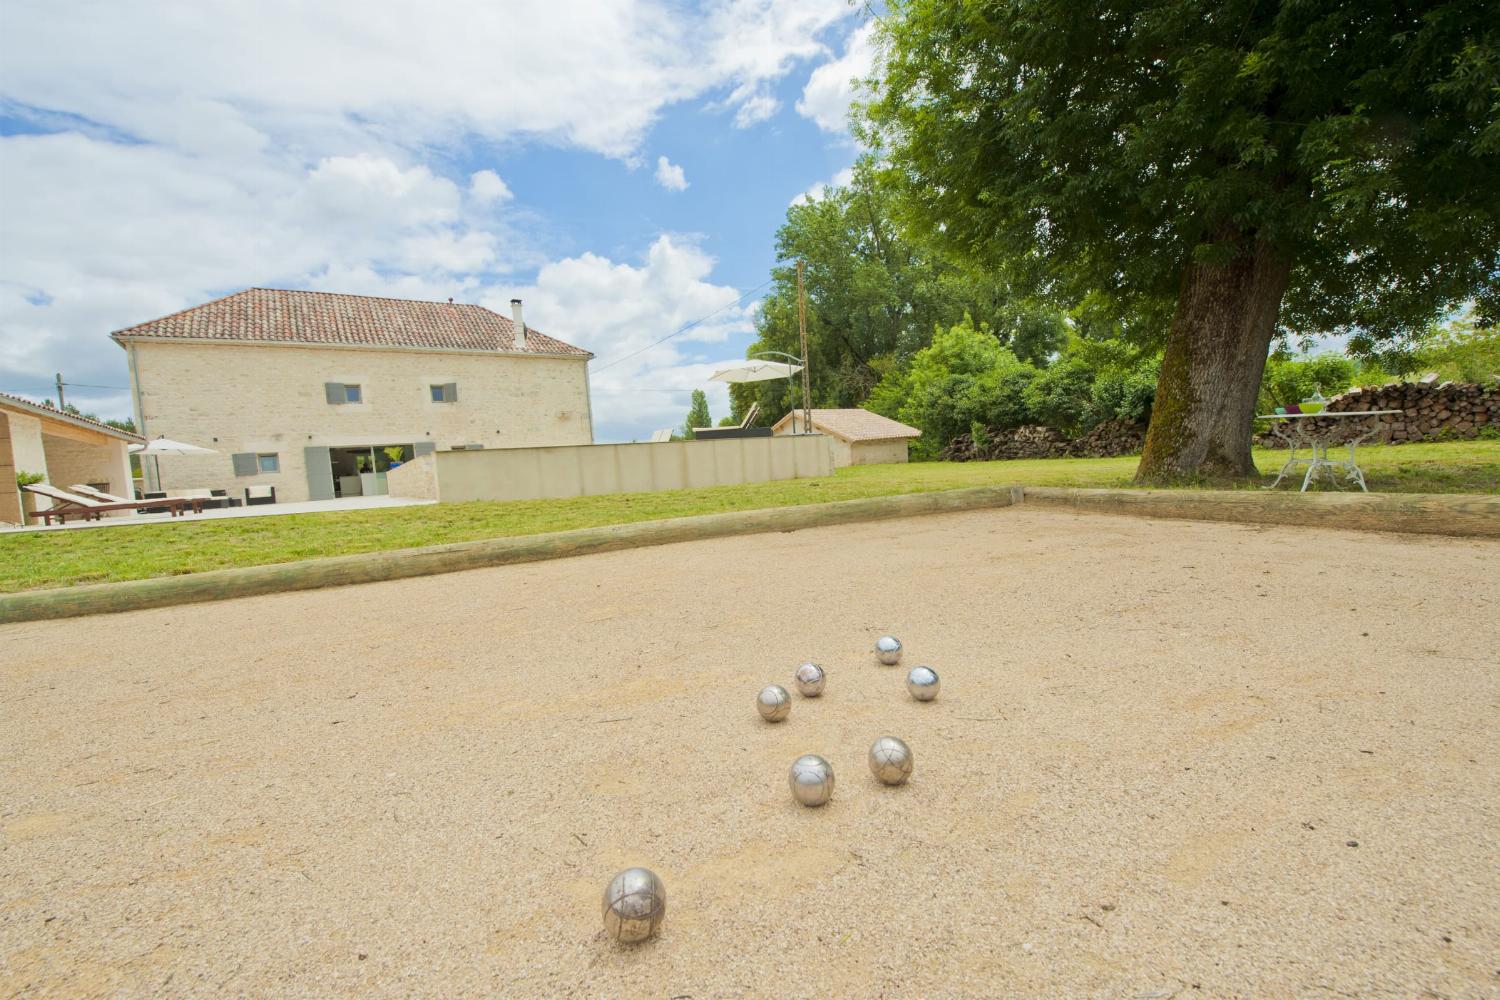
[890,760]
[810,680]
[888,650]
[773,703]
[923,683]
[811,779]
[634,904]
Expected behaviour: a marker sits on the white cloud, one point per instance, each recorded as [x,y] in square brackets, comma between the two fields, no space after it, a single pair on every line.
[588,73]
[832,87]
[669,175]
[841,179]
[486,188]
[213,147]
[616,309]
[117,234]
[756,109]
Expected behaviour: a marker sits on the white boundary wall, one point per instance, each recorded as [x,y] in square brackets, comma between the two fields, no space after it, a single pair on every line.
[588,470]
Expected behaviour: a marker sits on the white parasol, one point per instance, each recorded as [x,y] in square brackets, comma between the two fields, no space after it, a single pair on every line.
[157,447]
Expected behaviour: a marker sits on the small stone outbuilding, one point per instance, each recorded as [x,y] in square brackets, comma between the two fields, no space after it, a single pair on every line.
[63,448]
[859,437]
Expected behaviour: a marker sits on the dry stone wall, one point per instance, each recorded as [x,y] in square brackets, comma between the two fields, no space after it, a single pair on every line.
[1115,437]
[1429,410]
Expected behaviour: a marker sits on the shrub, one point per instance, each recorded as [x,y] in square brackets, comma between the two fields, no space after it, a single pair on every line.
[1062,396]
[1290,380]
[1126,394]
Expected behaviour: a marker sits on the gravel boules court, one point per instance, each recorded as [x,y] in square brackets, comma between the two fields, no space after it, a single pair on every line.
[1169,759]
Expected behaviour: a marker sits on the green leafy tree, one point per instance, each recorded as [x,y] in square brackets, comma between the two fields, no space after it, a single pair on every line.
[1290,380]
[874,297]
[1460,349]
[126,424]
[698,415]
[964,379]
[1201,173]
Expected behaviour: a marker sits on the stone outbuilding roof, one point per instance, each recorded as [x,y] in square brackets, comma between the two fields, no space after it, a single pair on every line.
[9,402]
[278,316]
[854,425]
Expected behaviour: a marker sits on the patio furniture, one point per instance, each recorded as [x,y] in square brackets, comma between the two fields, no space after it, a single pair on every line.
[743,430]
[257,495]
[93,493]
[68,505]
[1297,432]
[85,490]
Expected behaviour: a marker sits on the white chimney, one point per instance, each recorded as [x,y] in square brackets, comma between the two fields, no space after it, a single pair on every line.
[519,324]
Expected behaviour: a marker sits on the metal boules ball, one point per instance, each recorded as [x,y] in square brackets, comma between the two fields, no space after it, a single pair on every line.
[810,680]
[888,650]
[890,760]
[923,683]
[634,903]
[811,779]
[773,703]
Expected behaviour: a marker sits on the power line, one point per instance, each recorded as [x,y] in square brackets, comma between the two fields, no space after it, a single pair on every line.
[686,327]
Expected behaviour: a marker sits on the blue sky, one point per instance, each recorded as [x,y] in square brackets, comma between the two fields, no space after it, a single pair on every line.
[620,165]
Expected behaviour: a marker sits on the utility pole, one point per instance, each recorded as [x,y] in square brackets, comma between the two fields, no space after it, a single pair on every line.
[806,360]
[61,405]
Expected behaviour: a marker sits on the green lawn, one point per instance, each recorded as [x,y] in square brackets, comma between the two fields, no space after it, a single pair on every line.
[62,558]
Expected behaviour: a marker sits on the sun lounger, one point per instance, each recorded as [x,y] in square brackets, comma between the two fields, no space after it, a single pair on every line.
[66,505]
[85,490]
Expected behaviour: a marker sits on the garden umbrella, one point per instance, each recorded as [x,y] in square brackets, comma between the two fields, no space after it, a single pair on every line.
[157,447]
[756,370]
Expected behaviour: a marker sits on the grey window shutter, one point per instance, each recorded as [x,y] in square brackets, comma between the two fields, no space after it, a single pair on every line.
[245,463]
[335,392]
[423,448]
[319,473]
[450,392]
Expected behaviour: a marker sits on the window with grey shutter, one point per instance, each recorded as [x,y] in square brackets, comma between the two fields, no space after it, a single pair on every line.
[423,448]
[245,463]
[335,392]
[450,392]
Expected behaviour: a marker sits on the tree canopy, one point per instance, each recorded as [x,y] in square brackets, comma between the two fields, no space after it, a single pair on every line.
[875,297]
[1204,174]
[698,415]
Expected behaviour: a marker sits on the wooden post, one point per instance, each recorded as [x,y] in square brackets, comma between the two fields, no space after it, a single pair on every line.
[806,360]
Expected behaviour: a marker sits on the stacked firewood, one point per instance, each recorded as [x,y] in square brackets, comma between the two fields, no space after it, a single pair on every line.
[1116,437]
[1429,410]
[1110,439]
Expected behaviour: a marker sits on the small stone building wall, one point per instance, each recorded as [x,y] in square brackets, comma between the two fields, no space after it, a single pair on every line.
[874,452]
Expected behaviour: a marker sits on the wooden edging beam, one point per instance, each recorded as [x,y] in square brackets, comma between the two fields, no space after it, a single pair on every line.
[1463,515]
[370,567]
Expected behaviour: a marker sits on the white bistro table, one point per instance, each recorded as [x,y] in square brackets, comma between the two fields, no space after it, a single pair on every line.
[1290,427]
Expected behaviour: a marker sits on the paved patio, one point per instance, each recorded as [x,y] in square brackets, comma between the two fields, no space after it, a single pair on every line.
[261,510]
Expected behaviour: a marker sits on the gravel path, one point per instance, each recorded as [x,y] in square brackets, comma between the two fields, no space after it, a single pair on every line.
[1156,747]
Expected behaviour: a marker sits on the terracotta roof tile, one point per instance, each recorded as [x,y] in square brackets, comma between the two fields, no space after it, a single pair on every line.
[270,315]
[856,425]
[40,409]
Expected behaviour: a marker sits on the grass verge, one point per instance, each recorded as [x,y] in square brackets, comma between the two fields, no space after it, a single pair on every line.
[32,560]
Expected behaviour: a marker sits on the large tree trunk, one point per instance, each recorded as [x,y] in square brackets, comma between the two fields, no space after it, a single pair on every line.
[1202,420]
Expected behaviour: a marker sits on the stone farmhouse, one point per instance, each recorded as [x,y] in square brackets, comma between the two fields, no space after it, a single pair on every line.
[318,395]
